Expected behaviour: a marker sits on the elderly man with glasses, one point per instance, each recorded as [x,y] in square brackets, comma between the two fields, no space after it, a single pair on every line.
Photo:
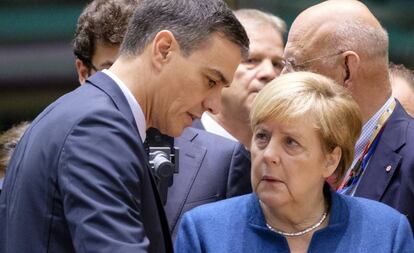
[344,41]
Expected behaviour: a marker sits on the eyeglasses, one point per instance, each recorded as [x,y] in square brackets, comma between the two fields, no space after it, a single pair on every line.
[291,66]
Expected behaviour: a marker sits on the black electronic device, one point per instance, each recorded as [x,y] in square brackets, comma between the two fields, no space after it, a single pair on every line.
[163,158]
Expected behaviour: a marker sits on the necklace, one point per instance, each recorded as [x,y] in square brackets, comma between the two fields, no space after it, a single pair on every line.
[306,230]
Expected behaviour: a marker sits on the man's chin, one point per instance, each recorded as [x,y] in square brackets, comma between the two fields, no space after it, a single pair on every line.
[174,132]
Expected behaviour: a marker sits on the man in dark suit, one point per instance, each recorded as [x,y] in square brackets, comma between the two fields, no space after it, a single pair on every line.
[79,179]
[214,167]
[99,32]
[344,41]
[221,166]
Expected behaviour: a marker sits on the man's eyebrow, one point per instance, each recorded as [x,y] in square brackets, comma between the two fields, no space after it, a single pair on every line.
[220,76]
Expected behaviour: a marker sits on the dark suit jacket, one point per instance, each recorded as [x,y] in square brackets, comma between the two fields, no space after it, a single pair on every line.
[211,168]
[79,180]
[393,186]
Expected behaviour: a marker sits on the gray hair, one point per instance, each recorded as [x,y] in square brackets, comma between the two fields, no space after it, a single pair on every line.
[399,70]
[191,22]
[262,17]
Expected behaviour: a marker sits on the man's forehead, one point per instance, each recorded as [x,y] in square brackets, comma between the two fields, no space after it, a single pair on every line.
[307,39]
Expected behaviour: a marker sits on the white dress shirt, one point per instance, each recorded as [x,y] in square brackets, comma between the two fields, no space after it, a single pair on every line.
[133,104]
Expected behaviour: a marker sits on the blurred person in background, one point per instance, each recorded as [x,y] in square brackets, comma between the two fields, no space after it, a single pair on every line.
[343,40]
[402,85]
[263,64]
[304,130]
[8,142]
[99,32]
[82,175]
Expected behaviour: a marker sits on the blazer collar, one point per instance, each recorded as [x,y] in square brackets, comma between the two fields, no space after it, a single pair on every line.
[386,158]
[395,131]
[338,214]
[107,85]
[189,134]
[197,124]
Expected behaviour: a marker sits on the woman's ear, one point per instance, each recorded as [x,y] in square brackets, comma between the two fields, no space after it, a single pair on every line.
[164,44]
[332,160]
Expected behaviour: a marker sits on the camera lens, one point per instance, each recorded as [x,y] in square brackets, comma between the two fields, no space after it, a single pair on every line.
[162,165]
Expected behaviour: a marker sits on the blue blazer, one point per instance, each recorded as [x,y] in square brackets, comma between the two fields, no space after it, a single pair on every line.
[393,186]
[79,180]
[238,225]
[211,168]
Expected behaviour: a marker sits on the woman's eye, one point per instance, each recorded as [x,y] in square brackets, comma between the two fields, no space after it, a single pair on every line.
[261,136]
[261,139]
[291,142]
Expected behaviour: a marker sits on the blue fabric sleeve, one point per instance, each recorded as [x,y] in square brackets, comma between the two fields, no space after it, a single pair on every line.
[187,240]
[404,241]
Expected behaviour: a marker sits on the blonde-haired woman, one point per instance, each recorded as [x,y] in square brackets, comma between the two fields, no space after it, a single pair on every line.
[304,130]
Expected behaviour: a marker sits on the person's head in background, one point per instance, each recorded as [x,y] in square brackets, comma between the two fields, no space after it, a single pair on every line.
[402,85]
[263,64]
[8,142]
[99,32]
[343,40]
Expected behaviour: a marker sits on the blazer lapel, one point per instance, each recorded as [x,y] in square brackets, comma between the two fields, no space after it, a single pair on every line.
[190,163]
[385,160]
[198,124]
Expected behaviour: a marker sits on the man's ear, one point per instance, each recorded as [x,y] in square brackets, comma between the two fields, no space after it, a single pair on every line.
[332,160]
[83,71]
[351,65]
[164,44]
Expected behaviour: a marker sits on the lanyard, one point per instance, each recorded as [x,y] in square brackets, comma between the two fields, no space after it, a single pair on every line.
[355,173]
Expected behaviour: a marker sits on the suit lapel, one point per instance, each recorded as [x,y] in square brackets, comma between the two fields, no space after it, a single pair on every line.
[198,124]
[385,161]
[190,162]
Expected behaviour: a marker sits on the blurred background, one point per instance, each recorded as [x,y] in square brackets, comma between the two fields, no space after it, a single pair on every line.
[37,63]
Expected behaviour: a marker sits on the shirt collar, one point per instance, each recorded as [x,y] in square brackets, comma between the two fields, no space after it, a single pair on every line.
[212,126]
[368,130]
[133,104]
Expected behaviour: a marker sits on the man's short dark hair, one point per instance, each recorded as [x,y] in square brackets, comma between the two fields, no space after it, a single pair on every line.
[191,22]
[102,21]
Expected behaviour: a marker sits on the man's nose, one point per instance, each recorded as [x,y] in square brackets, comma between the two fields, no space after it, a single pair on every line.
[267,71]
[212,103]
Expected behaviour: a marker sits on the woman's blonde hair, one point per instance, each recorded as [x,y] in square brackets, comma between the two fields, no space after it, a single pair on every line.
[335,114]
